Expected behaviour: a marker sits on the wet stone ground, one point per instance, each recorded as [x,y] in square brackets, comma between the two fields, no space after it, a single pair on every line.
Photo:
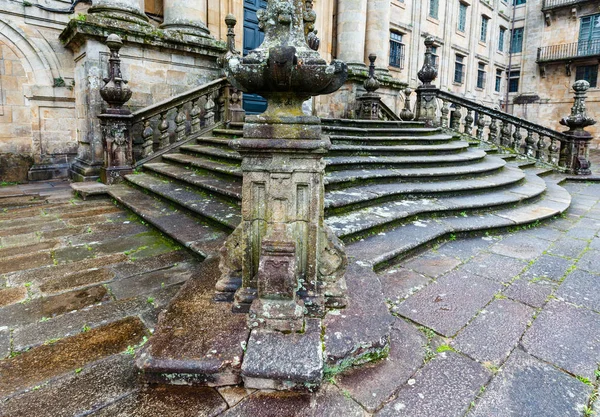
[499,325]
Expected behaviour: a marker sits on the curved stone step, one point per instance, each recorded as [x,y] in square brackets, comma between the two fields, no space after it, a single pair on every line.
[213,141]
[363,193]
[228,133]
[199,236]
[399,131]
[468,156]
[388,246]
[325,121]
[203,180]
[195,162]
[360,222]
[486,165]
[455,146]
[211,151]
[205,205]
[363,140]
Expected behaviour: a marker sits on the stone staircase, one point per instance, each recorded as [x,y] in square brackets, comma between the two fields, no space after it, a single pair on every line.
[390,187]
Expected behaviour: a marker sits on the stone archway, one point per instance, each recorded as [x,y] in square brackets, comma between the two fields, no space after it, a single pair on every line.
[16,146]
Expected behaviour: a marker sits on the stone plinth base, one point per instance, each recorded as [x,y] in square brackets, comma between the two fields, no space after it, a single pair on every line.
[114,175]
[279,361]
[197,341]
[82,171]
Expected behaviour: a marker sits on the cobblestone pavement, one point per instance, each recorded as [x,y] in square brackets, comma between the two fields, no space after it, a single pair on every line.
[499,325]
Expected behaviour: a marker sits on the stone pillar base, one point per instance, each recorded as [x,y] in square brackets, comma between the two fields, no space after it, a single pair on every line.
[114,175]
[82,171]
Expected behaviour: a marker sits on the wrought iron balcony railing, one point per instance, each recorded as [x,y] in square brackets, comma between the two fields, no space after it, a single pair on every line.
[569,51]
[555,4]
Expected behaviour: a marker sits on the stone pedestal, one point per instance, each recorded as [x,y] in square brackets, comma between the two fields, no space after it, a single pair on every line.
[185,17]
[117,145]
[426,92]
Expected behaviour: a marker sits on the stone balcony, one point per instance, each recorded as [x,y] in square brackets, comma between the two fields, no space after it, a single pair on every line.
[568,51]
[548,5]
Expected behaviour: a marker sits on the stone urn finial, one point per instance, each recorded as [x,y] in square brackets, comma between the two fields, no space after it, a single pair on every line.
[406,114]
[231,21]
[578,119]
[429,72]
[371,84]
[115,90]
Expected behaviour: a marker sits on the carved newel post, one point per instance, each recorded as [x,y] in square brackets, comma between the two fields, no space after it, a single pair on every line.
[574,153]
[426,92]
[235,112]
[283,263]
[369,103]
[115,122]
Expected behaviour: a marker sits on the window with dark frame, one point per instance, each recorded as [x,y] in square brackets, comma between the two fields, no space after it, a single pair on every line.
[396,50]
[498,80]
[513,81]
[462,17]
[588,73]
[516,41]
[484,28]
[501,39]
[434,6]
[459,68]
[481,75]
[519,2]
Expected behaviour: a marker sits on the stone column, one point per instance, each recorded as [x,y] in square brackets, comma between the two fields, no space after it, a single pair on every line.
[132,10]
[351,19]
[377,36]
[185,16]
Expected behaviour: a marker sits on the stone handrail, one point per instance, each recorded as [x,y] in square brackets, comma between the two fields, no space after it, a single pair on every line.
[545,148]
[157,127]
[565,150]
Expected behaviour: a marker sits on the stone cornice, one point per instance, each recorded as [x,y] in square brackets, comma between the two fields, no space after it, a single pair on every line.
[99,27]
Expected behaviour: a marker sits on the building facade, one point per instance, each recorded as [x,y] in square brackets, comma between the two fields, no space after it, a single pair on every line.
[522,58]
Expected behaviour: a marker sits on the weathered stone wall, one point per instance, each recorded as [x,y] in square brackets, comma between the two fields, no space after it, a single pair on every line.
[554,87]
[37,109]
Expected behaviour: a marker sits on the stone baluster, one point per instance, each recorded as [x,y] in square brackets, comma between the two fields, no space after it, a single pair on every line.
[468,128]
[455,117]
[554,150]
[480,126]
[148,139]
[185,17]
[505,132]
[406,114]
[427,92]
[180,124]
[209,114]
[530,144]
[493,136]
[445,114]
[574,154]
[517,138]
[116,120]
[540,153]
[195,117]
[163,127]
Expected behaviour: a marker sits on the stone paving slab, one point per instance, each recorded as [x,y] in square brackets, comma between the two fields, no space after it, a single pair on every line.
[533,293]
[581,288]
[173,401]
[433,265]
[327,402]
[443,388]
[77,393]
[12,295]
[495,331]
[527,387]
[567,337]
[590,261]
[399,283]
[4,342]
[37,365]
[520,247]
[372,384]
[465,248]
[495,267]
[548,267]
[449,303]
[567,247]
